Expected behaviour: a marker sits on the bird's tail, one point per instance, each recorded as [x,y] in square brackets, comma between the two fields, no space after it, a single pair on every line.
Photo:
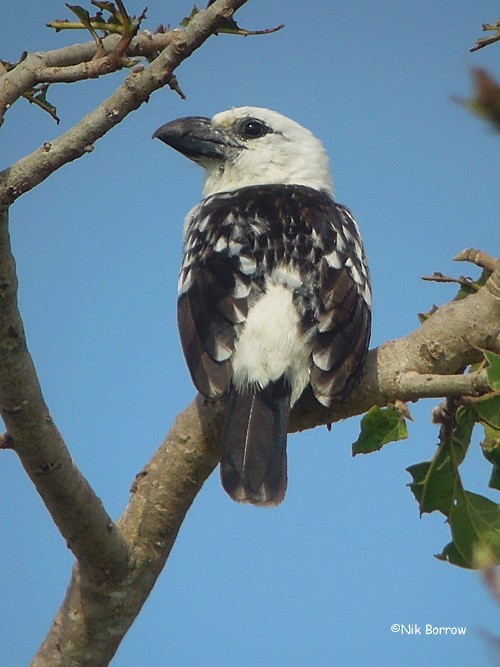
[253,455]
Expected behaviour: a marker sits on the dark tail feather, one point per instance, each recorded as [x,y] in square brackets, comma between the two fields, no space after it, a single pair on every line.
[253,456]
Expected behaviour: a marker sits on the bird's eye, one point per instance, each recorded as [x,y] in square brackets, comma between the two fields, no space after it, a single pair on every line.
[253,129]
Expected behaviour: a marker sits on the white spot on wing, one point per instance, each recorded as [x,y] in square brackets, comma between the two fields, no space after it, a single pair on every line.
[367,295]
[222,352]
[322,359]
[185,281]
[355,274]
[358,278]
[241,289]
[285,275]
[340,245]
[334,260]
[234,248]
[203,223]
[221,244]
[247,265]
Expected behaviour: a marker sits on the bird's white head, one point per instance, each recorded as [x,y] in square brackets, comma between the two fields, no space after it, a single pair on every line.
[250,146]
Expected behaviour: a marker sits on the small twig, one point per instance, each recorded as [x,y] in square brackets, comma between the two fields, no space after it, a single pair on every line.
[122,9]
[438,277]
[173,84]
[132,31]
[77,25]
[485,41]
[481,43]
[250,33]
[477,257]
[86,22]
[419,385]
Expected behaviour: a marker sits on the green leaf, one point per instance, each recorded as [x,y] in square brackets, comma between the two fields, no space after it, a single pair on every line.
[82,14]
[474,520]
[488,412]
[494,482]
[475,524]
[435,482]
[462,433]
[451,555]
[419,472]
[493,369]
[378,427]
[491,451]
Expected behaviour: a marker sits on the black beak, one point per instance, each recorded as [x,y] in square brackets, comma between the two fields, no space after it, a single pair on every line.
[196,138]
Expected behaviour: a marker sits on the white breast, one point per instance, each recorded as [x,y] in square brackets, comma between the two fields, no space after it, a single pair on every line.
[271,343]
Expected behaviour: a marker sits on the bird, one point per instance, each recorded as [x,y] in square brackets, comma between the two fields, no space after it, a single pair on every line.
[274,295]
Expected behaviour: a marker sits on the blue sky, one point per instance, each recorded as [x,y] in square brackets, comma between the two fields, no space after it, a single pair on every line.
[320,579]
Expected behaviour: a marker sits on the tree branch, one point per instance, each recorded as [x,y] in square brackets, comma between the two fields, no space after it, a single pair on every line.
[75,63]
[94,617]
[77,511]
[477,257]
[414,386]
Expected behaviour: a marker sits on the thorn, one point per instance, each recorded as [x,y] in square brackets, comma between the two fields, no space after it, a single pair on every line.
[174,85]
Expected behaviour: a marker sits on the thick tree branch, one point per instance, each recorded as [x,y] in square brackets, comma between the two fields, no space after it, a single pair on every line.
[95,616]
[88,530]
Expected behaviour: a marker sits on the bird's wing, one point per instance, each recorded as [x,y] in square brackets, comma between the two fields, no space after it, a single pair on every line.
[214,286]
[343,315]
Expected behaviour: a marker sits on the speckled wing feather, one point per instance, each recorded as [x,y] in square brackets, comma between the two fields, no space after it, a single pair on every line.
[214,285]
[235,242]
[341,307]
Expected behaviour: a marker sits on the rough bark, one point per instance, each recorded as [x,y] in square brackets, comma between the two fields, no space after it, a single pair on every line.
[78,513]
